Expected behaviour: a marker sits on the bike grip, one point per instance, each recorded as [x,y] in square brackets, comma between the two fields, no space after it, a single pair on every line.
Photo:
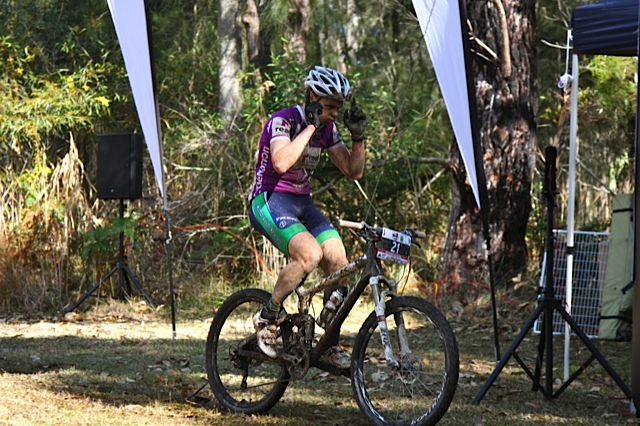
[421,234]
[350,224]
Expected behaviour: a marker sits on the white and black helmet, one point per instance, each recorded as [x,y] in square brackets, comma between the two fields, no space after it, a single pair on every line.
[328,83]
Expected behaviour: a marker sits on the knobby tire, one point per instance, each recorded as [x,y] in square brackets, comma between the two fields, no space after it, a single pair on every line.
[420,392]
[266,380]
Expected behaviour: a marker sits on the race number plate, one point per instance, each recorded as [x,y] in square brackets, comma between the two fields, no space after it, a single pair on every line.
[394,246]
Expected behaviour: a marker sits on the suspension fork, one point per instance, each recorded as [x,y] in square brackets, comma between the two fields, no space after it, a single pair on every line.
[379,298]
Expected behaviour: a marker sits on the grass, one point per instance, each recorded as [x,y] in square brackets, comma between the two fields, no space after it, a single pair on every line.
[118,364]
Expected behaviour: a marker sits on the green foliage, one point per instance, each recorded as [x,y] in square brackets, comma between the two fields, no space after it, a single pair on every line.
[615,79]
[34,106]
[56,88]
[63,77]
[185,48]
[280,86]
[31,182]
[102,239]
[67,77]
[606,119]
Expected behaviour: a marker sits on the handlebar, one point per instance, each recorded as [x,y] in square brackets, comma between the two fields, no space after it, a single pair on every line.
[419,234]
[350,224]
[362,225]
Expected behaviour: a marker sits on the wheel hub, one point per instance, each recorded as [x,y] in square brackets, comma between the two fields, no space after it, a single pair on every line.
[410,368]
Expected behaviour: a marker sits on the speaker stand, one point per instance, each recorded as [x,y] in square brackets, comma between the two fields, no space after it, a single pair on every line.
[125,275]
[547,306]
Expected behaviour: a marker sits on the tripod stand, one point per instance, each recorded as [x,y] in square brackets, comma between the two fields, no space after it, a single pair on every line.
[547,306]
[125,275]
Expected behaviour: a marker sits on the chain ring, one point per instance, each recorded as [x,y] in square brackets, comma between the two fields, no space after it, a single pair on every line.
[301,362]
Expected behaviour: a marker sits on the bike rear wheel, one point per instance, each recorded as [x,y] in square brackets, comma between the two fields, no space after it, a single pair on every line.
[420,391]
[241,378]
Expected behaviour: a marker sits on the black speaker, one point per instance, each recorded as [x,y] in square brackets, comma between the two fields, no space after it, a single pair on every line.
[120,166]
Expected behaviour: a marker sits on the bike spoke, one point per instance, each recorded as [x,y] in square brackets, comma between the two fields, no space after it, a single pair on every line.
[242,378]
[420,386]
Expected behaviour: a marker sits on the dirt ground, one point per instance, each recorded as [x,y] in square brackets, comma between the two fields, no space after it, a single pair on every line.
[123,368]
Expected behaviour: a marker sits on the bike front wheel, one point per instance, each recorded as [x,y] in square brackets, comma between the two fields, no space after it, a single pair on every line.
[420,388]
[241,377]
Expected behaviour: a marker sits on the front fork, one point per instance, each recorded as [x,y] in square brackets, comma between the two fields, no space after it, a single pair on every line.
[379,298]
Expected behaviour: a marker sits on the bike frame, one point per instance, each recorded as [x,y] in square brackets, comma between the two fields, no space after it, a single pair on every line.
[419,386]
[372,274]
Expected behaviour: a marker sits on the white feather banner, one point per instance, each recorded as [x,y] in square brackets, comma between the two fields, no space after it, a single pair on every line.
[441,28]
[130,20]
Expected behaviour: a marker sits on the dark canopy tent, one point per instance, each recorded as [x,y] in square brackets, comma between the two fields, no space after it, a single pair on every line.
[610,27]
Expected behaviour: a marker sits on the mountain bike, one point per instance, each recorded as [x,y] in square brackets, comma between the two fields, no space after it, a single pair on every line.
[404,362]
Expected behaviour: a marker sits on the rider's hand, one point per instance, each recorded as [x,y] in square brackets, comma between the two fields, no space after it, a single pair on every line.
[312,112]
[355,119]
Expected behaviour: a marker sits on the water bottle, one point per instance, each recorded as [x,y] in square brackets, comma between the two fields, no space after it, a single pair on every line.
[332,305]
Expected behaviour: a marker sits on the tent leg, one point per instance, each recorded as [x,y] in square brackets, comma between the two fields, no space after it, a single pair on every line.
[573,148]
[635,331]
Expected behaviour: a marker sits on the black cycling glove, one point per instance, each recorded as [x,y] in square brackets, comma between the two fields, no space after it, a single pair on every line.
[312,112]
[355,119]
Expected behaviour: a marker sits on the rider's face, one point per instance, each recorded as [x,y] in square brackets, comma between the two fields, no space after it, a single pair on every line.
[330,109]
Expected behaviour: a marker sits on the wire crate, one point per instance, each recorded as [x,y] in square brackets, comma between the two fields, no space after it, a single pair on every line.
[589,267]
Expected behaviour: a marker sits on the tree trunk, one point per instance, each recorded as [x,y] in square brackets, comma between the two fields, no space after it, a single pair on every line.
[298,33]
[229,55]
[252,25]
[504,65]
[352,32]
[194,47]
[258,40]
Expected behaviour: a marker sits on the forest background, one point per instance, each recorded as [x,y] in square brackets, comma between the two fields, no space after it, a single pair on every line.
[221,68]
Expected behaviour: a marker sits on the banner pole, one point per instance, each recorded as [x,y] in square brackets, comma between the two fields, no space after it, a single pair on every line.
[170,268]
[479,165]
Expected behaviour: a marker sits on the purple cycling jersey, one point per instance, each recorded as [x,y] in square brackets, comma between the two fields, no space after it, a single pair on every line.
[289,123]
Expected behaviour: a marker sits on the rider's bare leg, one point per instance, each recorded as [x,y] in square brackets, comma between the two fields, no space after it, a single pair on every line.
[305,254]
[334,257]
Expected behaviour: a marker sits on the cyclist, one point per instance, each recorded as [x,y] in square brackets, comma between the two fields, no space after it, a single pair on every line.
[290,147]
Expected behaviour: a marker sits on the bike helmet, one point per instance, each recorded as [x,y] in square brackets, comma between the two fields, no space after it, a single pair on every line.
[328,83]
